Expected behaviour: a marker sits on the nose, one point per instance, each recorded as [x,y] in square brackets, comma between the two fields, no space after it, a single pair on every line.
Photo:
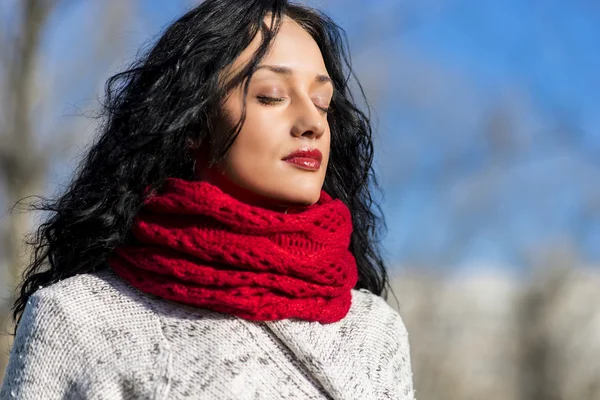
[308,120]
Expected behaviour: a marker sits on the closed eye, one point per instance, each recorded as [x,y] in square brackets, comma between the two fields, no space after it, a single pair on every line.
[269,100]
[324,110]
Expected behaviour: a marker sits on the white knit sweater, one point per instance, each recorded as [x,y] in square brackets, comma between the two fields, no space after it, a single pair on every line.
[93,336]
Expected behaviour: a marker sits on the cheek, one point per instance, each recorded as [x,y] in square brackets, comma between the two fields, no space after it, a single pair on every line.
[326,147]
[257,146]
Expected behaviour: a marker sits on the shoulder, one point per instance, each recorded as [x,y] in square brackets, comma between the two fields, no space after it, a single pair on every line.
[84,290]
[90,300]
[97,313]
[379,325]
[371,310]
[69,302]
[387,334]
[81,310]
[51,350]
[90,333]
[104,314]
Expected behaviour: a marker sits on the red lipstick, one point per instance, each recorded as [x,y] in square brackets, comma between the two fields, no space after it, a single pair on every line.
[305,158]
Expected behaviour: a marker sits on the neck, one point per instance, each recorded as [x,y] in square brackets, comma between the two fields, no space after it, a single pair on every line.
[243,194]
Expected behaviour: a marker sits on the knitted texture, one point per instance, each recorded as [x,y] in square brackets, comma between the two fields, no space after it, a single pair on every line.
[200,246]
[96,337]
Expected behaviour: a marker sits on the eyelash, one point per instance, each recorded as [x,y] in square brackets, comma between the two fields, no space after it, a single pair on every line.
[273,100]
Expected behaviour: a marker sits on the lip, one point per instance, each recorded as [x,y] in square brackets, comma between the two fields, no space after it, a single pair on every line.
[305,158]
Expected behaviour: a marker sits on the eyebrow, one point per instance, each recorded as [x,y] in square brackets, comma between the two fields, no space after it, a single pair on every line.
[278,69]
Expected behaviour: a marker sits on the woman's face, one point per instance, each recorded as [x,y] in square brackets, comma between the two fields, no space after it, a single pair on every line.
[286,111]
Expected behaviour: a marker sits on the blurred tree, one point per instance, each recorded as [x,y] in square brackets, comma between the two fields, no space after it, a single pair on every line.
[24,154]
[22,165]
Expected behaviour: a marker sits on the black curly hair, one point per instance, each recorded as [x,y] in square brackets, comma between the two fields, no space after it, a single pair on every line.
[169,98]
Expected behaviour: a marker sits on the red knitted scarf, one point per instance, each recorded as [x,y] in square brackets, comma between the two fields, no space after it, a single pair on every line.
[200,246]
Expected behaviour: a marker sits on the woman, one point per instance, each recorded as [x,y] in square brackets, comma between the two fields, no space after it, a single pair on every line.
[218,241]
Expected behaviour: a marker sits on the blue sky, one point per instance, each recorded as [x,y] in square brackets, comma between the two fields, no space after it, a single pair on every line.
[545,50]
[438,72]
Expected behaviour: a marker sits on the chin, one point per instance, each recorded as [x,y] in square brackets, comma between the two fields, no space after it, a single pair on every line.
[299,197]
[288,197]
[302,201]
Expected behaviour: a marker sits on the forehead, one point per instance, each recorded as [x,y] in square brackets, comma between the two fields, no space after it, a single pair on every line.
[293,47]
